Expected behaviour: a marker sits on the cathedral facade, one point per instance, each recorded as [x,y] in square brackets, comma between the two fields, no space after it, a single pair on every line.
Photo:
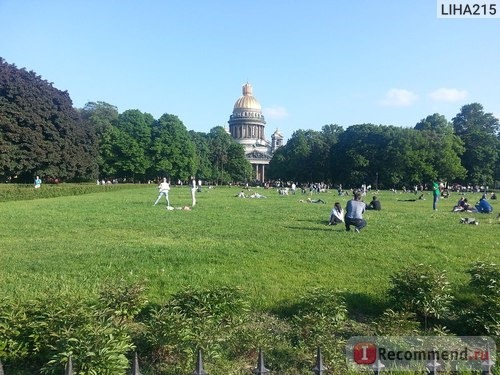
[246,126]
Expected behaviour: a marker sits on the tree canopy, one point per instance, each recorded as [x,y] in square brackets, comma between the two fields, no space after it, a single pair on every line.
[479,132]
[40,131]
[385,156]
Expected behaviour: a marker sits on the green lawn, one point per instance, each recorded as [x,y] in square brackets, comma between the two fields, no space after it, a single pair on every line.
[273,248]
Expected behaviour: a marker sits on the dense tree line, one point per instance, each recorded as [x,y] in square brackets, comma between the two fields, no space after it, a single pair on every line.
[466,150]
[42,134]
[133,146]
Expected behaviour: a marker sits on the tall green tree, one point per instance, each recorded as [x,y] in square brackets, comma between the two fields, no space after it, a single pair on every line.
[40,131]
[102,117]
[137,144]
[306,157]
[123,157]
[238,167]
[434,122]
[479,133]
[443,149]
[202,150]
[227,157]
[138,125]
[360,156]
[173,151]
[288,162]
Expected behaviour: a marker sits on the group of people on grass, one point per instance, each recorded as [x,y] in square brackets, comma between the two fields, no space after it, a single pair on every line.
[483,206]
[164,189]
[256,195]
[355,208]
[354,211]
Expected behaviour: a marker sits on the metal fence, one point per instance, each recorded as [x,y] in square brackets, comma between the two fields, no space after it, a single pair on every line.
[260,369]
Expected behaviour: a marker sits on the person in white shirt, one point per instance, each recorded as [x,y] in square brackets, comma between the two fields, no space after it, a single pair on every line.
[164,188]
[337,215]
[193,191]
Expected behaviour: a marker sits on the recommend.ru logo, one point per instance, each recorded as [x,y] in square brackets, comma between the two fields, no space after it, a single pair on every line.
[418,352]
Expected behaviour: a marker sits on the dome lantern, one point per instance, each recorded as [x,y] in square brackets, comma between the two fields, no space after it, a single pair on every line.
[247,101]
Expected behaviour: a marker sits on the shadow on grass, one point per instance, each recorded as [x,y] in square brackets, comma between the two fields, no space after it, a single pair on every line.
[323,223]
[361,307]
[324,228]
[315,221]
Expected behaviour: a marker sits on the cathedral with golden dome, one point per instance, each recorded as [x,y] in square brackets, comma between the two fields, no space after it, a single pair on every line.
[246,126]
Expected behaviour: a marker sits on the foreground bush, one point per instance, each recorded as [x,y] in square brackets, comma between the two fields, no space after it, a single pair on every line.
[100,334]
[421,289]
[46,332]
[484,315]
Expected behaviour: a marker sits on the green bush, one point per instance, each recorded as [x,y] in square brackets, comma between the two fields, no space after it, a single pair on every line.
[421,289]
[122,301]
[194,319]
[13,320]
[97,347]
[98,334]
[397,323]
[45,332]
[319,322]
[484,314]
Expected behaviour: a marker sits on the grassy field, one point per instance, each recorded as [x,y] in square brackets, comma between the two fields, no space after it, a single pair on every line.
[273,248]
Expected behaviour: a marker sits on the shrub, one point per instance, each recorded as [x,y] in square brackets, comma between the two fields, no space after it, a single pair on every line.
[421,289]
[484,314]
[485,277]
[97,347]
[122,301]
[318,323]
[264,331]
[13,321]
[194,319]
[396,323]
[45,332]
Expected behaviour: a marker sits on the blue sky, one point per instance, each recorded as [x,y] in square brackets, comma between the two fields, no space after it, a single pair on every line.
[311,63]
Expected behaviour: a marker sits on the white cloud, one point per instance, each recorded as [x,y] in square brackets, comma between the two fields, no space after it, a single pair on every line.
[448,95]
[399,98]
[275,113]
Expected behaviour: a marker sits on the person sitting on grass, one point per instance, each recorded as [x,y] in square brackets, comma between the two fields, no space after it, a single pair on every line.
[483,206]
[460,205]
[337,214]
[374,204]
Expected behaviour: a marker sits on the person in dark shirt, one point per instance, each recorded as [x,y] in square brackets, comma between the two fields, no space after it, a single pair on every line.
[374,204]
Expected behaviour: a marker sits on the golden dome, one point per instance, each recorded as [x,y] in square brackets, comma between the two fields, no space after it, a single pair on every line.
[247,101]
